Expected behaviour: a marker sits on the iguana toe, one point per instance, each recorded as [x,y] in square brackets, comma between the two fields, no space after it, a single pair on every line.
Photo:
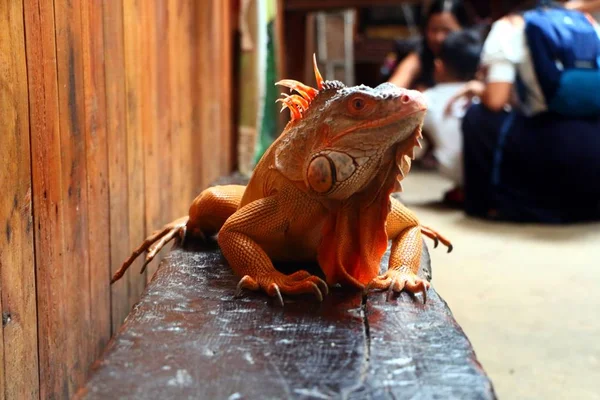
[398,280]
[276,284]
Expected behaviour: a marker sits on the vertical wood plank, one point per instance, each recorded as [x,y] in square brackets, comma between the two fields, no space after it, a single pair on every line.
[134,81]
[199,77]
[18,350]
[155,217]
[224,82]
[176,50]
[116,133]
[2,371]
[74,188]
[216,133]
[209,135]
[47,197]
[190,179]
[97,165]
[172,53]
[163,113]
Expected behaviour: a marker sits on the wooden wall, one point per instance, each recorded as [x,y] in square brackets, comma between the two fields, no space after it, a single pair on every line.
[113,116]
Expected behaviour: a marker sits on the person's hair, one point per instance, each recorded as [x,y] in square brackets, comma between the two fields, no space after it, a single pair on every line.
[459,11]
[460,54]
[454,7]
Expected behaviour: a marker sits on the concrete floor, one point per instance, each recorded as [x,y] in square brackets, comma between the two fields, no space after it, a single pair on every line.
[527,296]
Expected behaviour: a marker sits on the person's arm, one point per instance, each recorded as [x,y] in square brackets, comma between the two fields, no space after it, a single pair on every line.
[496,95]
[406,72]
[493,95]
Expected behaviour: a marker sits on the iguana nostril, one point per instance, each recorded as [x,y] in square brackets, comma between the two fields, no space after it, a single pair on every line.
[405,98]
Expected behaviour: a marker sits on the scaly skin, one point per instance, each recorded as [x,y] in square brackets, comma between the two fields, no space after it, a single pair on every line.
[320,192]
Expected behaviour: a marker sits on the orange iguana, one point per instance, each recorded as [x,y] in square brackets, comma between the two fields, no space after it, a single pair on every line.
[320,192]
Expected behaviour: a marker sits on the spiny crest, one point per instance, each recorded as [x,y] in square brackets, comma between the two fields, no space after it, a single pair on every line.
[298,103]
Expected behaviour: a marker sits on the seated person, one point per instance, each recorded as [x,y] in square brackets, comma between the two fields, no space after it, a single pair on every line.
[415,70]
[526,163]
[456,64]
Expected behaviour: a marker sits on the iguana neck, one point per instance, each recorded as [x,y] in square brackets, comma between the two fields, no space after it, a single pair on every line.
[354,236]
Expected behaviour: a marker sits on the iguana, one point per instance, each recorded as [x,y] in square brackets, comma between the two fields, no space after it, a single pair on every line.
[321,192]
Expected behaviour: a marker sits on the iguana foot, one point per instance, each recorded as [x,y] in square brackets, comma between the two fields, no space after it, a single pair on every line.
[436,237]
[154,243]
[398,280]
[276,283]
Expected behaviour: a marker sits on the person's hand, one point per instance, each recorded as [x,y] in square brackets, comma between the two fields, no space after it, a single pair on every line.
[471,89]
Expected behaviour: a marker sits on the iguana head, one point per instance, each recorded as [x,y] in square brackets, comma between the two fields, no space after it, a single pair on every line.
[340,137]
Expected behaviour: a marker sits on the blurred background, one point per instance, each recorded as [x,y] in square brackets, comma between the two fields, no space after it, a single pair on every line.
[116,114]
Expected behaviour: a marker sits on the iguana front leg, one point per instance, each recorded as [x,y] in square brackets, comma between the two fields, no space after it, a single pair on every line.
[262,221]
[405,232]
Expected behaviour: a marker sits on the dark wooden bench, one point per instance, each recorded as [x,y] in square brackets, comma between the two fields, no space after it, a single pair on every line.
[188,337]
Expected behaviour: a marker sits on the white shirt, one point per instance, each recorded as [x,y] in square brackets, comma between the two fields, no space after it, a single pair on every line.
[445,131]
[506,54]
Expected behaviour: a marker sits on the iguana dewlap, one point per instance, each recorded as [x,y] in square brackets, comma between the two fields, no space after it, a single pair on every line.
[320,192]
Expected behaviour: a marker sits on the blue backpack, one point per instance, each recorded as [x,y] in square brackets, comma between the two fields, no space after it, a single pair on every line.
[565,50]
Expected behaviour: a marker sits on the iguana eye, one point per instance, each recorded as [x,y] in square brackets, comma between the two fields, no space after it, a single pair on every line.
[358,104]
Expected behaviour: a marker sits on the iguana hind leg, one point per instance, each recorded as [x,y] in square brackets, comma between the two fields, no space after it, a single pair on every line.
[405,232]
[207,214]
[262,221]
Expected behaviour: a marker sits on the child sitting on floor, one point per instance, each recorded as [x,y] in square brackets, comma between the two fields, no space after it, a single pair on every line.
[456,63]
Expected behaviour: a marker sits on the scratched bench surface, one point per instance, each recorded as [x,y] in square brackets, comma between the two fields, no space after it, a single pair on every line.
[190,338]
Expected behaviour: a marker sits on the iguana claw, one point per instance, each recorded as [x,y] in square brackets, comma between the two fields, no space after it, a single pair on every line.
[299,282]
[276,292]
[436,237]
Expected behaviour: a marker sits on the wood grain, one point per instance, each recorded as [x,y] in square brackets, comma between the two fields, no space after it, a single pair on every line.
[134,81]
[179,81]
[73,153]
[154,216]
[116,133]
[101,145]
[196,340]
[185,91]
[203,82]
[47,197]
[213,74]
[97,165]
[164,194]
[173,49]
[19,364]
[226,32]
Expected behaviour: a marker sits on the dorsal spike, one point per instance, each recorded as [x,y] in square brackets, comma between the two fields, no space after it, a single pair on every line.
[299,101]
[294,111]
[318,76]
[294,106]
[305,91]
